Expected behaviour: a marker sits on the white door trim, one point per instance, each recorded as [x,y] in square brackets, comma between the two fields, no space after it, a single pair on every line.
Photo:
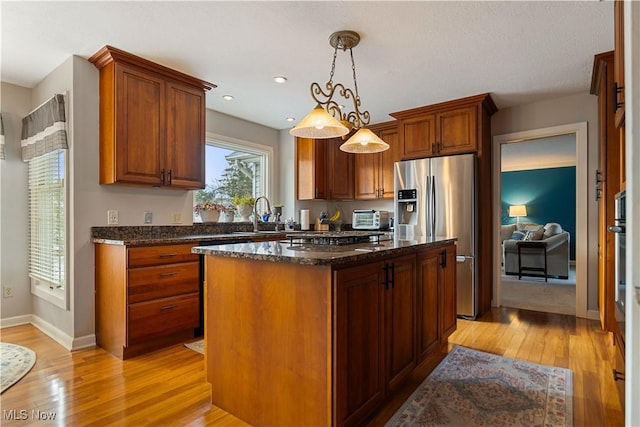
[582,145]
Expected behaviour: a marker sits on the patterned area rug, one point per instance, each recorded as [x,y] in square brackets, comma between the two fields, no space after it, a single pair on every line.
[196,346]
[472,388]
[16,361]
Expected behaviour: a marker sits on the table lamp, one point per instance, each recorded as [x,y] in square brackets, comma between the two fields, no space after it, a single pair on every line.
[518,211]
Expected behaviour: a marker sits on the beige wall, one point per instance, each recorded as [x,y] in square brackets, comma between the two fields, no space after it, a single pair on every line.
[14,105]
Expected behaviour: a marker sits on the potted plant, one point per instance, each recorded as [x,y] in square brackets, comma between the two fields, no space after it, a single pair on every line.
[229,213]
[244,205]
[209,211]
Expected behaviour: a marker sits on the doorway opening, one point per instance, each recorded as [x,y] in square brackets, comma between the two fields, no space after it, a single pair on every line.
[579,131]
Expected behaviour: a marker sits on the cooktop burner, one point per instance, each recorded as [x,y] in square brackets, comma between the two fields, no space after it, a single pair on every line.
[335,237]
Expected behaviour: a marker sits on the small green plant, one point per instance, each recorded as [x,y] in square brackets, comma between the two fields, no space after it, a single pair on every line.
[243,200]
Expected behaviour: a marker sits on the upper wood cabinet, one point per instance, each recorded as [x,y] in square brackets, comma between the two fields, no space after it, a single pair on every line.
[618,83]
[451,127]
[152,122]
[374,172]
[323,171]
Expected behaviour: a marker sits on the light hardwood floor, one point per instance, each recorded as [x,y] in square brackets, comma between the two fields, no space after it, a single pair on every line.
[167,388]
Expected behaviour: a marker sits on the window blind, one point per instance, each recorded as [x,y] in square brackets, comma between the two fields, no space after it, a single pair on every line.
[47,219]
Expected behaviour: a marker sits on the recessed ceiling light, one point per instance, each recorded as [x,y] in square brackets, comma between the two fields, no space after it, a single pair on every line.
[280,79]
[227,97]
[290,119]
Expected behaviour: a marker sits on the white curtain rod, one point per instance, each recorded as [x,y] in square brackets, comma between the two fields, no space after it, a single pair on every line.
[65,94]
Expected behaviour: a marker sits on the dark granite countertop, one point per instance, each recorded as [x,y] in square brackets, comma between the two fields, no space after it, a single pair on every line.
[291,251]
[196,233]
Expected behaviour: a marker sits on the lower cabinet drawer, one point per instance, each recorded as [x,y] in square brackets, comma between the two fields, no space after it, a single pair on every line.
[153,319]
[150,283]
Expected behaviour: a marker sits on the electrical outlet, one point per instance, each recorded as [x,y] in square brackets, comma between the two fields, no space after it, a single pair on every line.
[112,217]
[7,291]
[148,217]
[176,218]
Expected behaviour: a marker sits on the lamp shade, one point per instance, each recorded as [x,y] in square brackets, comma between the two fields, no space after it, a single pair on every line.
[364,141]
[319,124]
[518,210]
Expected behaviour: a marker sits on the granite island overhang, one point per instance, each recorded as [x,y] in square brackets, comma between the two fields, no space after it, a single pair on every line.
[297,334]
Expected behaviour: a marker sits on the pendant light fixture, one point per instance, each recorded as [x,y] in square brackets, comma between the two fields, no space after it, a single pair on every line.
[328,119]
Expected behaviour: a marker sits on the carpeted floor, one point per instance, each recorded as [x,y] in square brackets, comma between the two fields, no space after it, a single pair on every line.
[16,362]
[196,346]
[533,293]
[473,388]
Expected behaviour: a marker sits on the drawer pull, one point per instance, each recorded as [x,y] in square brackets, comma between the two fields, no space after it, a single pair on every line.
[168,307]
[168,274]
[617,375]
[167,255]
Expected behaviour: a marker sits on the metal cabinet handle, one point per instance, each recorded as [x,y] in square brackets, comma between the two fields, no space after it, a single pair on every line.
[386,276]
[168,274]
[162,176]
[168,307]
[167,255]
[393,274]
[617,375]
[170,173]
[443,258]
[616,90]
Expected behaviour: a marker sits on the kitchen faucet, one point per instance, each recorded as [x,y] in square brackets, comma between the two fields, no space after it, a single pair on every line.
[255,212]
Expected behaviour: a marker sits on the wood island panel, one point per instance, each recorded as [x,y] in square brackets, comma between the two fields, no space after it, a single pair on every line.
[280,375]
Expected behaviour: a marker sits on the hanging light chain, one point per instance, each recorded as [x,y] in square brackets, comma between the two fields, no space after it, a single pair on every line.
[333,65]
[353,67]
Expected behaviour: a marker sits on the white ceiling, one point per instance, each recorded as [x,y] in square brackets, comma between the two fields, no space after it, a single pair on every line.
[410,54]
[551,152]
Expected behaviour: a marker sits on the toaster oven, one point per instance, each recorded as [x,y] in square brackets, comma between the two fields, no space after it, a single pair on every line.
[369,219]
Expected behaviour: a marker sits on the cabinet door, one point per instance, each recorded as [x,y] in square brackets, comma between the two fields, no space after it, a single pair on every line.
[418,136]
[340,170]
[140,136]
[359,338]
[311,169]
[427,298]
[457,131]
[387,161]
[400,301]
[184,160]
[366,176]
[448,293]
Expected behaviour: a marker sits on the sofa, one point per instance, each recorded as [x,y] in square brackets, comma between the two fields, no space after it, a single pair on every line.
[551,234]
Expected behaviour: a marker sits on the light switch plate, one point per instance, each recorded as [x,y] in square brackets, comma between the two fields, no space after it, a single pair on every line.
[148,217]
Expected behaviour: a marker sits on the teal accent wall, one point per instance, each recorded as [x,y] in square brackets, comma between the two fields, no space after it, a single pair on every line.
[549,194]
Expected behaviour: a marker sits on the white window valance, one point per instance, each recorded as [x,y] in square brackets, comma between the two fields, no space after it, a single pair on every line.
[44,130]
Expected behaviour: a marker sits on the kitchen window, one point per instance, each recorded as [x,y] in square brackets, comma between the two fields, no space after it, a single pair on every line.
[47,226]
[234,168]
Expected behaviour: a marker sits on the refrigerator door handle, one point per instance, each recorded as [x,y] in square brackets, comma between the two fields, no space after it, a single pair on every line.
[428,211]
[433,205]
[461,258]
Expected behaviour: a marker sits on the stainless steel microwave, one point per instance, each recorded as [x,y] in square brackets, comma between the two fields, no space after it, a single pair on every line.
[369,219]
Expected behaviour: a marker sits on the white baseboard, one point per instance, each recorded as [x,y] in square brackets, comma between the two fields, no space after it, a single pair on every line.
[84,342]
[62,338]
[25,319]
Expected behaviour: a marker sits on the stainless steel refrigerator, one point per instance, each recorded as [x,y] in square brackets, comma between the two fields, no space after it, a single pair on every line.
[436,198]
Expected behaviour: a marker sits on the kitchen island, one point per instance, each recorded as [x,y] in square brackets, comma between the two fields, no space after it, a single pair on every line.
[308,335]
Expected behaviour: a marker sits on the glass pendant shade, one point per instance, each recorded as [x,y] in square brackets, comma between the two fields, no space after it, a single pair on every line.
[319,124]
[364,141]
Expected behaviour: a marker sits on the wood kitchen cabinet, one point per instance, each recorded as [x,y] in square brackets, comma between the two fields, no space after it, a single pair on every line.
[607,180]
[375,315]
[323,171]
[152,122]
[436,287]
[452,127]
[374,172]
[147,297]
[618,83]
